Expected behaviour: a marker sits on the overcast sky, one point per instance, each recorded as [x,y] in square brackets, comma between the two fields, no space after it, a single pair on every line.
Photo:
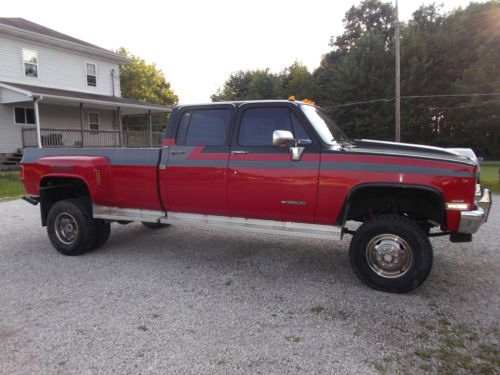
[197,44]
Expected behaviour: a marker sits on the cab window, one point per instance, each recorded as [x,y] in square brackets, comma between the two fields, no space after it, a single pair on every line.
[204,127]
[258,125]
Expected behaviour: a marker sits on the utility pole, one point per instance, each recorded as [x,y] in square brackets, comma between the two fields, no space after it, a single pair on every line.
[398,78]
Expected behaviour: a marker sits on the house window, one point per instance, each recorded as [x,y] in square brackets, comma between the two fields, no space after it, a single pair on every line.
[24,116]
[30,60]
[91,70]
[94,120]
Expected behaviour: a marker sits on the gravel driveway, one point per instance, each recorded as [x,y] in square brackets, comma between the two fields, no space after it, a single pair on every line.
[179,300]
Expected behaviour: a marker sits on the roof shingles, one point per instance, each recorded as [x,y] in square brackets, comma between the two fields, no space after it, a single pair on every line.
[23,24]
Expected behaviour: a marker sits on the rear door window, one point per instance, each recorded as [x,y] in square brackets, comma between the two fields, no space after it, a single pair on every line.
[208,127]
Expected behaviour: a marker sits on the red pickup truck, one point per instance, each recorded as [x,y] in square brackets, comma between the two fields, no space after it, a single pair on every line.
[274,167]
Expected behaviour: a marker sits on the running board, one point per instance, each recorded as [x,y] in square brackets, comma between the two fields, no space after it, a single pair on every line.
[275,227]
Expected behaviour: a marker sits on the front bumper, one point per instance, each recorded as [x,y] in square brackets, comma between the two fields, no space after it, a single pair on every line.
[470,221]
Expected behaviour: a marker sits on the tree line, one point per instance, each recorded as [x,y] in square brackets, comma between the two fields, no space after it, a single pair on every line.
[445,58]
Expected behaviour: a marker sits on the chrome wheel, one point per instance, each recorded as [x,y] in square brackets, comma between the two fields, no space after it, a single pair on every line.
[66,228]
[389,255]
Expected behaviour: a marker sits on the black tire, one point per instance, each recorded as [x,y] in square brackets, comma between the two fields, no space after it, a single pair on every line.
[67,214]
[391,253]
[155,225]
[103,232]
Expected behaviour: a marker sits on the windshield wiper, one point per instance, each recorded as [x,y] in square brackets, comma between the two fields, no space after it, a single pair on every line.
[343,142]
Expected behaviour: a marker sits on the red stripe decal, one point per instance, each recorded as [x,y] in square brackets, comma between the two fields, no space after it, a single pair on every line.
[198,155]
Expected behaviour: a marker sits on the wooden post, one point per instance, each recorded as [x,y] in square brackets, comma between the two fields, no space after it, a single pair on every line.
[119,119]
[150,125]
[398,80]
[81,125]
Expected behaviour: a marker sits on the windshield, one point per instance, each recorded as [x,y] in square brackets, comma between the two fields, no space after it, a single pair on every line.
[324,125]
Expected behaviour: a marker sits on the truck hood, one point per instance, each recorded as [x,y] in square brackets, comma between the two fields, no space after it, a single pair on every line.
[408,149]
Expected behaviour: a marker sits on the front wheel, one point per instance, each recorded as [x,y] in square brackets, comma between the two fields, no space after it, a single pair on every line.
[391,253]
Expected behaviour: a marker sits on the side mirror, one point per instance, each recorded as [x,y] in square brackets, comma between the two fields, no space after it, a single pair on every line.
[283,138]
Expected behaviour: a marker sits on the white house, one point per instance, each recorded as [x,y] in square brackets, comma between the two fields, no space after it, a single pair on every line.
[68,88]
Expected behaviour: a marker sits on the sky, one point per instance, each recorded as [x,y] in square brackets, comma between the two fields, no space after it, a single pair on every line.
[198,44]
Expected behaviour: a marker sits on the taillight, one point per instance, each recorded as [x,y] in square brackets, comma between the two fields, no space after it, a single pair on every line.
[21,172]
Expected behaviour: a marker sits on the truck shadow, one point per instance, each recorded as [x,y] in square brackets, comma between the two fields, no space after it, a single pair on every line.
[234,253]
[274,258]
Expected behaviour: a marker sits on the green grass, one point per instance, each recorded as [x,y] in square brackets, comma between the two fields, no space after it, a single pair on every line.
[10,185]
[489,176]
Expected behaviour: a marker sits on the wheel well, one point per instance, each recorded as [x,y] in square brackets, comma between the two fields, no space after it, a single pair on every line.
[55,189]
[421,204]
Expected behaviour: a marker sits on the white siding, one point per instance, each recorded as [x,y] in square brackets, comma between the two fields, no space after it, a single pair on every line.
[9,96]
[65,117]
[57,68]
[10,134]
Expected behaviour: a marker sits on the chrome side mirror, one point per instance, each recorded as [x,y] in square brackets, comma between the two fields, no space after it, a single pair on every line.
[284,138]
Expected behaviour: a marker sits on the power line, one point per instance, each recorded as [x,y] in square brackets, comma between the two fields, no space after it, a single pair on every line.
[411,97]
[362,102]
[450,95]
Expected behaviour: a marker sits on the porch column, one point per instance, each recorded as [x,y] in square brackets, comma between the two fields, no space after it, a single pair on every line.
[37,121]
[81,125]
[120,128]
[150,125]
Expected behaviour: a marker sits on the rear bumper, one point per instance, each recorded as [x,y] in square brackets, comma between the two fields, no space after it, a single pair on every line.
[470,221]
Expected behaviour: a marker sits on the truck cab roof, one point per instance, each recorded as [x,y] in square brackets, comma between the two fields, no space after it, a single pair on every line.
[238,103]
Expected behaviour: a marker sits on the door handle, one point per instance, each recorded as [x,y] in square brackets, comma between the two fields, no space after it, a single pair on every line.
[236,152]
[177,152]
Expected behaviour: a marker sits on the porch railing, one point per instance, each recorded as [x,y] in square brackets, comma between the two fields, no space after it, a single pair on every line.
[69,138]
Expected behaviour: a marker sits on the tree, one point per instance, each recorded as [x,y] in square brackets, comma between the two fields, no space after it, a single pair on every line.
[250,85]
[360,68]
[142,81]
[443,58]
[369,17]
[235,88]
[262,84]
[298,81]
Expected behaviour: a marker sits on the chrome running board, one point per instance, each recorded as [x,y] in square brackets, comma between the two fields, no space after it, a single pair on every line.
[275,227]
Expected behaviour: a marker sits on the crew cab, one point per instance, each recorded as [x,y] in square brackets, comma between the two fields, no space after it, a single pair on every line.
[278,167]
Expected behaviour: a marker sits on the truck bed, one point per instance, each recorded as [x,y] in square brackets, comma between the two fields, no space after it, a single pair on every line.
[130,175]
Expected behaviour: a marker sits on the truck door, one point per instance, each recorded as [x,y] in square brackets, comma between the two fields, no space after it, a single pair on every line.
[196,171]
[263,181]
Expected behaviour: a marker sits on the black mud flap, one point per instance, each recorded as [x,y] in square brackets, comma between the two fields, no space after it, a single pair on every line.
[461,237]
[33,200]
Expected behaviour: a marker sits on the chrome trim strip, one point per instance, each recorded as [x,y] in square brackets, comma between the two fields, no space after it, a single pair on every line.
[297,203]
[126,214]
[287,228]
[274,227]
